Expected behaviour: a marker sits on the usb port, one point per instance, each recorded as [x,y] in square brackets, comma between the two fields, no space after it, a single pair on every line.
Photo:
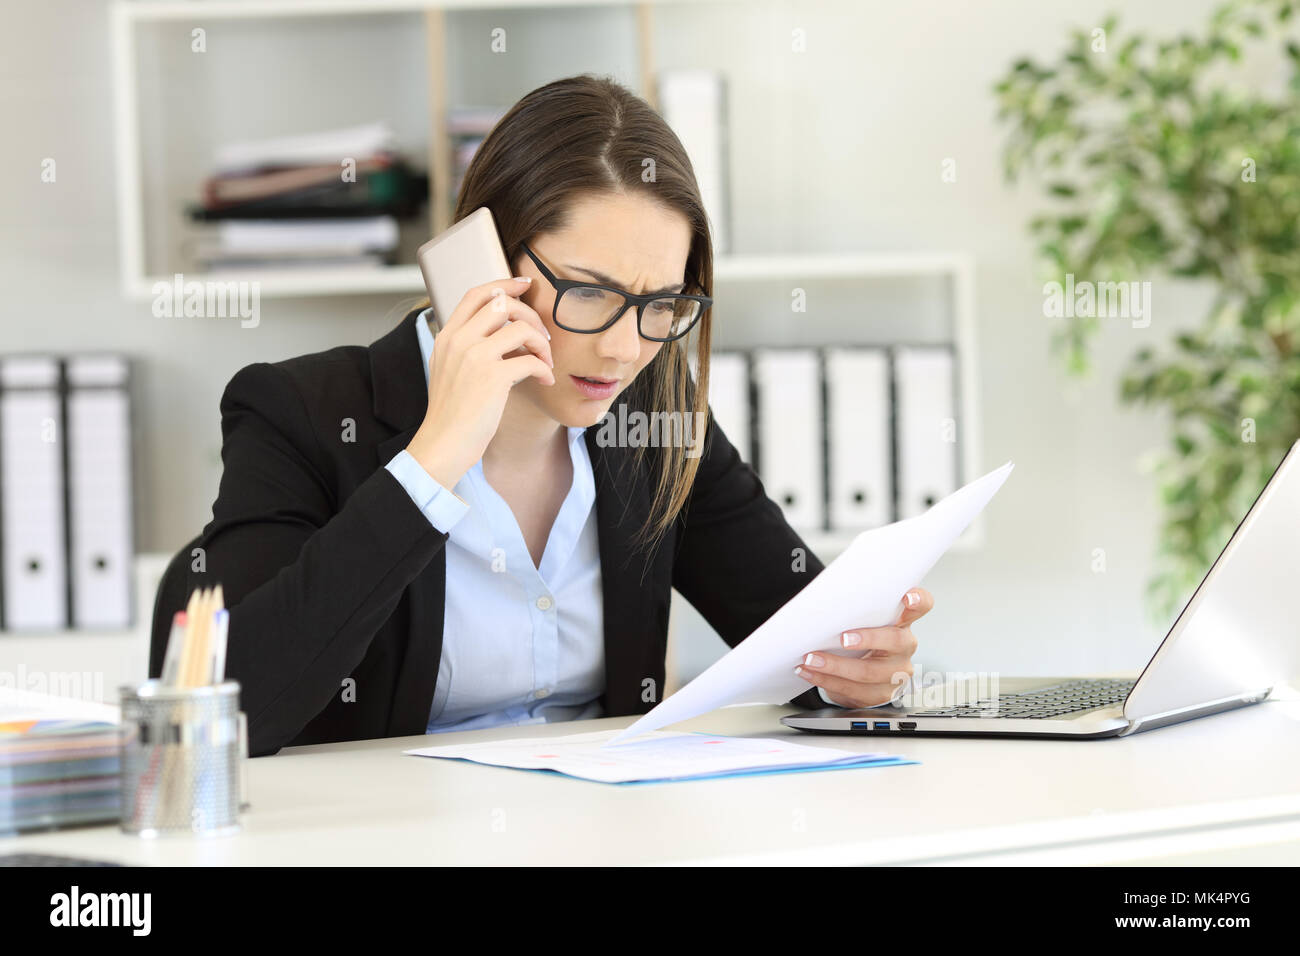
[860,725]
[907,725]
[882,725]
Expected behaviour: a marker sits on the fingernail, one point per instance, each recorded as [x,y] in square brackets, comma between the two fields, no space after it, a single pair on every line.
[813,660]
[523,278]
[851,638]
[799,671]
[552,361]
[913,599]
[548,335]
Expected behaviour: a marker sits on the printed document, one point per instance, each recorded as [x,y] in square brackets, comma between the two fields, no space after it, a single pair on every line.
[863,587]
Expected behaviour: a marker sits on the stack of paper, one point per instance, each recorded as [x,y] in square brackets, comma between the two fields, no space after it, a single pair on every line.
[59,762]
[659,756]
[331,198]
[320,146]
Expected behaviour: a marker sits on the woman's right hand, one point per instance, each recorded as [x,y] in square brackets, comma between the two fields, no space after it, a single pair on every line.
[472,372]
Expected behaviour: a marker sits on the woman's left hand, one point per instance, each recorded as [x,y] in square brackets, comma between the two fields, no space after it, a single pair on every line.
[871,678]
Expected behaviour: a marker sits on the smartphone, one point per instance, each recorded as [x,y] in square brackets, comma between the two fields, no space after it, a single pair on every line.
[466,255]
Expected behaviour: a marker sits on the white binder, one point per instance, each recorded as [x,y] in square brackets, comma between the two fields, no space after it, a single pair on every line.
[694,104]
[858,443]
[31,494]
[791,434]
[729,398]
[99,491]
[926,426]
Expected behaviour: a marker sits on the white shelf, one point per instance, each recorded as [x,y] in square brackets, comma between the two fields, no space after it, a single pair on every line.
[733,268]
[301,282]
[153,10]
[841,265]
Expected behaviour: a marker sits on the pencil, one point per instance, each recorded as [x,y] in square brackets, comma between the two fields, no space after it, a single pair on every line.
[199,639]
[219,646]
[215,607]
[191,616]
[173,761]
[172,658]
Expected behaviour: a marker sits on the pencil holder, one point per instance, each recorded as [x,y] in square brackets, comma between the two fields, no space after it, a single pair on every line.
[183,753]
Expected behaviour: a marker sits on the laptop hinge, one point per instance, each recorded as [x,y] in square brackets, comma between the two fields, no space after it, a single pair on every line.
[1187,713]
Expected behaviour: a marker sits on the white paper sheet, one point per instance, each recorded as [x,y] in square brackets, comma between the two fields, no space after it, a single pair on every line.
[863,587]
[18,706]
[658,756]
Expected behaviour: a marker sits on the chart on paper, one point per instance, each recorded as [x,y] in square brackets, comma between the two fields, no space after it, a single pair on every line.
[656,756]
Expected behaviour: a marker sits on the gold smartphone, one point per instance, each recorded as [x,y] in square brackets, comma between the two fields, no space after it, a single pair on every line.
[466,255]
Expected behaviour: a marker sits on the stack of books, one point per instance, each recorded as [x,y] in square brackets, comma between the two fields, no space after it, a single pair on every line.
[57,771]
[328,199]
[467,127]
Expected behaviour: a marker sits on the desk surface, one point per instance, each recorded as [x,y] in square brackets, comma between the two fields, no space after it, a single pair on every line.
[1218,783]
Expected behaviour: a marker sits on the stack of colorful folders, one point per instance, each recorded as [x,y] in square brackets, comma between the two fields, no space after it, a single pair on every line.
[56,772]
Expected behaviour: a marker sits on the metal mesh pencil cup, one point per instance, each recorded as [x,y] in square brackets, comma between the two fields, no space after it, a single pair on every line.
[183,751]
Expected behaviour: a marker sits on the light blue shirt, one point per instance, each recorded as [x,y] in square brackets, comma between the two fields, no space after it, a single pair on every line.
[521,644]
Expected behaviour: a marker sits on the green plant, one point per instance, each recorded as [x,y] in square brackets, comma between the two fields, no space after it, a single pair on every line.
[1160,158]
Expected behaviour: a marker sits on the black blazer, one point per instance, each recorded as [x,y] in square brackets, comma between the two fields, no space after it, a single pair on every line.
[331,572]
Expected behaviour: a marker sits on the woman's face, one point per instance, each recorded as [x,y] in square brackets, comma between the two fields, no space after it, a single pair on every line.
[630,242]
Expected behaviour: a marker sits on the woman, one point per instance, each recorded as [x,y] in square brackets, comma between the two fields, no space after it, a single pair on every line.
[415,539]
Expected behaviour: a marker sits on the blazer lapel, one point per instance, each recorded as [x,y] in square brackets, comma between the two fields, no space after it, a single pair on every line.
[396,377]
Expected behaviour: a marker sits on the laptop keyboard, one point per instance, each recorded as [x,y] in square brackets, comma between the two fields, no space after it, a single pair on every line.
[1069,697]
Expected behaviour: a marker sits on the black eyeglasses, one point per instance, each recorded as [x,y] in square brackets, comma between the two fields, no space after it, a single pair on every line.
[587,307]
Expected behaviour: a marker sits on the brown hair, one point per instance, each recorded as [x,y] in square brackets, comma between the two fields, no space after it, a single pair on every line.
[587,134]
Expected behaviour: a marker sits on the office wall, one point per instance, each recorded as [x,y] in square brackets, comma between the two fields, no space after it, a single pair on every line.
[835,149]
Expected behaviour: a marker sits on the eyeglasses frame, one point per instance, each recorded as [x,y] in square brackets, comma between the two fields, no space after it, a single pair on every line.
[562,286]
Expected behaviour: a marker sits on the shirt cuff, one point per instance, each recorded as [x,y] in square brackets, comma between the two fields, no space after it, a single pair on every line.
[441,506]
[826,700]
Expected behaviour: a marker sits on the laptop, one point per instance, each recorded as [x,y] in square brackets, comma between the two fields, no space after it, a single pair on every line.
[1237,637]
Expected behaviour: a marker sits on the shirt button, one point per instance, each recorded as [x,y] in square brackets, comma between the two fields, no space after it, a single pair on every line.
[539,694]
[544,603]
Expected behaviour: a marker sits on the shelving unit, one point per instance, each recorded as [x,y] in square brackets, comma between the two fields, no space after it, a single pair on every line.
[431,17]
[128,16]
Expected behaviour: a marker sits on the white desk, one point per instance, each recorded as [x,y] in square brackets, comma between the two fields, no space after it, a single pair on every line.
[1221,789]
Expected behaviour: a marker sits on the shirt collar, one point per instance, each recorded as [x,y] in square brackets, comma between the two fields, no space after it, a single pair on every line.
[425,336]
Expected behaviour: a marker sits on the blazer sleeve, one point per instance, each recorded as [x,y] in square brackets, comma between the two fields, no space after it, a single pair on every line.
[308,580]
[738,560]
